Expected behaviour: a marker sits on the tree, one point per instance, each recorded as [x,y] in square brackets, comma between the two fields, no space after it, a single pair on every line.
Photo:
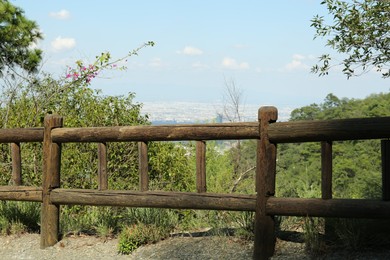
[17,38]
[361,30]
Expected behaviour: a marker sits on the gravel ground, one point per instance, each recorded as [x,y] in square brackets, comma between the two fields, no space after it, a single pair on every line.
[26,246]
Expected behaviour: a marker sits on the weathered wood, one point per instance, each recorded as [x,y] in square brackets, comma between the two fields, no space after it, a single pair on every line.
[16,164]
[326,170]
[326,180]
[154,199]
[201,166]
[223,131]
[339,208]
[51,180]
[20,135]
[143,165]
[335,130]
[265,186]
[385,149]
[21,193]
[102,167]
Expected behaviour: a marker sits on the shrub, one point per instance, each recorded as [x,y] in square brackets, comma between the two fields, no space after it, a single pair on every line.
[135,236]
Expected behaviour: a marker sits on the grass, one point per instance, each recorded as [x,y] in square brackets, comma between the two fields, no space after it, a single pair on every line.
[19,217]
[138,226]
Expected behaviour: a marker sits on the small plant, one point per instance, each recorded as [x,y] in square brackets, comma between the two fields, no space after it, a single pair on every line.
[245,223]
[312,235]
[4,226]
[19,217]
[17,228]
[143,226]
[135,236]
[357,234]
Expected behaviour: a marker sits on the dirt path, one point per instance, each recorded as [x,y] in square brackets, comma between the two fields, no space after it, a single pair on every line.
[26,246]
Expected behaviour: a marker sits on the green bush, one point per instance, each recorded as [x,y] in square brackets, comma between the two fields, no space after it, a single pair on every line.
[135,236]
[19,217]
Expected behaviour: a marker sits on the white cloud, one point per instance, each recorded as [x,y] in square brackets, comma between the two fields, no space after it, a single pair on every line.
[297,63]
[192,51]
[63,43]
[62,14]
[230,63]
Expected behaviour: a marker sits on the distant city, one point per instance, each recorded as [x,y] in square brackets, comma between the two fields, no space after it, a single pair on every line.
[188,112]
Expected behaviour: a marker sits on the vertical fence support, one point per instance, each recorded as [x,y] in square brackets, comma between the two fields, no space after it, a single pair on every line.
[143,166]
[201,166]
[102,167]
[385,148]
[326,179]
[326,169]
[265,186]
[16,164]
[50,214]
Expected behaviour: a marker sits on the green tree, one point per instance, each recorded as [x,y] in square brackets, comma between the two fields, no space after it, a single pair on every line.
[361,30]
[356,164]
[17,36]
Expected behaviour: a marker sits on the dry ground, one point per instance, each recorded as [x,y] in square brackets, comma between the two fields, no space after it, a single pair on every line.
[26,246]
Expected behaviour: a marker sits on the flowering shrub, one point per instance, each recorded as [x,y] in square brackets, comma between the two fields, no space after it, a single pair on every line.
[83,74]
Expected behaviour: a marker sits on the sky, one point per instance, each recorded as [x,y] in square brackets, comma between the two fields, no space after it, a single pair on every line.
[265,47]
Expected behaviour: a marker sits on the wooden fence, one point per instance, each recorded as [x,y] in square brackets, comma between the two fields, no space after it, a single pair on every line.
[263,202]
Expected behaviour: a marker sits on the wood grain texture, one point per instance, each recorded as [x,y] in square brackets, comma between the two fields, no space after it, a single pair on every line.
[225,131]
[154,199]
[21,193]
[343,208]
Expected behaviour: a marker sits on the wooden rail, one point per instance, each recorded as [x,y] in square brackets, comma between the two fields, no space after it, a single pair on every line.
[263,202]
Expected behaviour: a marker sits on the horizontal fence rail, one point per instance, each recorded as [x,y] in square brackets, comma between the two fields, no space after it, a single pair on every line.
[19,135]
[280,132]
[154,199]
[340,208]
[223,131]
[335,130]
[21,193]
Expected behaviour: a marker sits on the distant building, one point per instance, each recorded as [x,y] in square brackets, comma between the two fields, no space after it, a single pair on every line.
[219,118]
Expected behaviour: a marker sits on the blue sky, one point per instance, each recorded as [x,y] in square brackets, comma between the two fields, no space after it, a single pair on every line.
[266,47]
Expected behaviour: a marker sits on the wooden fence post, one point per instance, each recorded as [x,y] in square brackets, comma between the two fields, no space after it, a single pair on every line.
[326,170]
[143,166]
[51,180]
[265,186]
[16,164]
[385,149]
[201,166]
[102,167]
[326,180]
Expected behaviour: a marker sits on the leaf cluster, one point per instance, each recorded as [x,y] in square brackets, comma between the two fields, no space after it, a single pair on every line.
[17,36]
[361,30]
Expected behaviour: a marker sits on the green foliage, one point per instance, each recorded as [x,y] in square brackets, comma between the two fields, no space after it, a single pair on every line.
[135,236]
[360,29]
[19,217]
[170,167]
[17,36]
[356,164]
[312,236]
[356,171]
[145,225]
